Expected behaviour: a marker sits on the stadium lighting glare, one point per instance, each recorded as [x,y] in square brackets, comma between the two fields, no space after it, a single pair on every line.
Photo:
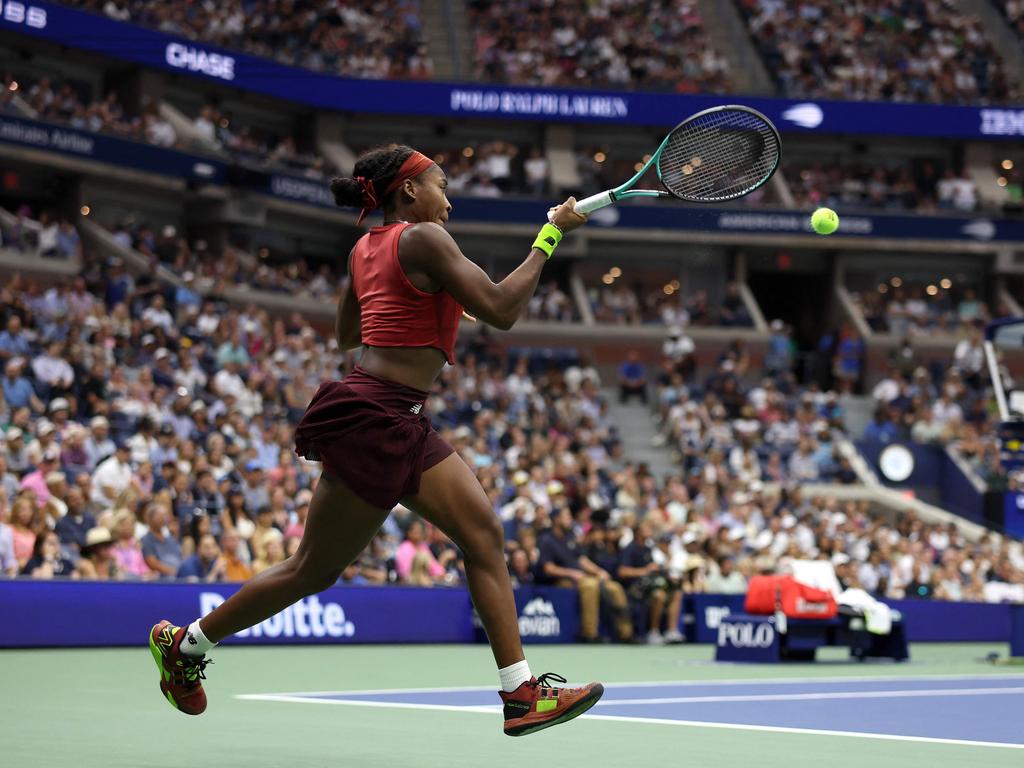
[263,252]
[668,289]
[607,279]
[1001,181]
[695,162]
[439,158]
[13,86]
[647,158]
[615,272]
[638,167]
[467,152]
[946,283]
[84,210]
[896,282]
[224,122]
[883,288]
[931,290]
[1007,164]
[600,157]
[675,284]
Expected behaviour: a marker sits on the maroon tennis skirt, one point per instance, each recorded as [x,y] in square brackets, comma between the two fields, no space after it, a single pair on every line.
[373,434]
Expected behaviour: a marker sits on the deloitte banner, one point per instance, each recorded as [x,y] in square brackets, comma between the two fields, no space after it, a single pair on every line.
[78,613]
[94,32]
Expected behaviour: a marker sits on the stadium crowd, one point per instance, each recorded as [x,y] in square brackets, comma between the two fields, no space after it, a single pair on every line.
[919,186]
[144,440]
[342,38]
[213,131]
[883,50]
[1013,10]
[608,44]
[913,309]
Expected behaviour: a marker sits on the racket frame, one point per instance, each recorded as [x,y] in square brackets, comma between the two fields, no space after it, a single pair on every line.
[624,191]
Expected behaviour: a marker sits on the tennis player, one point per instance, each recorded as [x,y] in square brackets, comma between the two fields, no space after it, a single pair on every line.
[409,284]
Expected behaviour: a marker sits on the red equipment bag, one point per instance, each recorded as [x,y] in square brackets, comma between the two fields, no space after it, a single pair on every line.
[799,601]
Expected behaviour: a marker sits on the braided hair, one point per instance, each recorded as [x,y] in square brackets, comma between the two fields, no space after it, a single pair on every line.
[379,165]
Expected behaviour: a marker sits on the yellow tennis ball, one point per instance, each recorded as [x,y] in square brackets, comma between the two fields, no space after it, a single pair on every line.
[824,221]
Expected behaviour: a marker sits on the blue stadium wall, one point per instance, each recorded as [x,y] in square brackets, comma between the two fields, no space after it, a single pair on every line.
[78,613]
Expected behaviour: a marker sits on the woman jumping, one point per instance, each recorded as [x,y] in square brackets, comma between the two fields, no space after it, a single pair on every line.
[408,285]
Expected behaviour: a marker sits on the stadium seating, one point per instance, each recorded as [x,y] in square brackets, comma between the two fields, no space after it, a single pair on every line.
[926,50]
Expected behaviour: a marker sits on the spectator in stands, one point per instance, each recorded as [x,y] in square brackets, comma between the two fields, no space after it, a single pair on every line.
[97,561]
[561,563]
[46,561]
[127,549]
[8,560]
[206,564]
[112,476]
[632,378]
[13,341]
[415,546]
[160,549]
[235,567]
[273,553]
[24,528]
[727,580]
[17,390]
[647,584]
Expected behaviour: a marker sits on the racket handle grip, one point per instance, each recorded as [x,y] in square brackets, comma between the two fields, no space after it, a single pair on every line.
[592,203]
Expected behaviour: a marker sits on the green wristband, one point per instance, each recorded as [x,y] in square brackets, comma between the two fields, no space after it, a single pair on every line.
[548,239]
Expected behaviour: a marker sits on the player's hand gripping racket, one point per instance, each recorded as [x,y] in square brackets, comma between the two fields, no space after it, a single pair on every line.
[716,155]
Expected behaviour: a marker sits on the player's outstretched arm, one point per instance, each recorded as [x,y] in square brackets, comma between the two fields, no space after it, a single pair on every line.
[434,251]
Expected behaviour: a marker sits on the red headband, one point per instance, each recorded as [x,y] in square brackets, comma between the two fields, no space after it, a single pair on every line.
[413,166]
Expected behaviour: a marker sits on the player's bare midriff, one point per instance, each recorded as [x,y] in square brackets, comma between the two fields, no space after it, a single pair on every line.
[413,366]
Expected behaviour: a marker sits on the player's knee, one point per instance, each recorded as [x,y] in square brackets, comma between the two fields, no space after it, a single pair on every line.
[485,540]
[313,579]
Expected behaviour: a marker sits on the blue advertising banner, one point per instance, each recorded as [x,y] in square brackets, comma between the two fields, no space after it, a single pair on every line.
[1013,514]
[79,613]
[93,32]
[708,611]
[749,221]
[747,638]
[108,149]
[1017,631]
[928,621]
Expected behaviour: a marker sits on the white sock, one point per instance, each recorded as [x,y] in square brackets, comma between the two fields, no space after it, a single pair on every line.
[195,642]
[515,675]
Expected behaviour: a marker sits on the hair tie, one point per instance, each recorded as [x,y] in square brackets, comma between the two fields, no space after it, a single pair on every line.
[370,201]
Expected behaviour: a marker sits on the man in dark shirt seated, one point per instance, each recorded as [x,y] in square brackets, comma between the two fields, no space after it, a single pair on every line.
[561,564]
[206,564]
[646,583]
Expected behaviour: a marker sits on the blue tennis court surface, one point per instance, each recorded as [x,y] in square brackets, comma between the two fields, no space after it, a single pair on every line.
[982,710]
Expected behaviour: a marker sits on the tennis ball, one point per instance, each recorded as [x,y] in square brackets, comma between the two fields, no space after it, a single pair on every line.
[824,221]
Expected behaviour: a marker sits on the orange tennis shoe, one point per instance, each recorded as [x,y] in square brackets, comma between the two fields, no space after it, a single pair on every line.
[180,674]
[535,705]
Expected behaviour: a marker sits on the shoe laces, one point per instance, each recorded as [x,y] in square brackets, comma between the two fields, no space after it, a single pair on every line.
[542,681]
[192,671]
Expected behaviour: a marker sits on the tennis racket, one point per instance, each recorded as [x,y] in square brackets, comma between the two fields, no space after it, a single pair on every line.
[716,155]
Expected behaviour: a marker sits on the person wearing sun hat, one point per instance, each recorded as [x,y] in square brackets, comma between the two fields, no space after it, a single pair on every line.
[98,561]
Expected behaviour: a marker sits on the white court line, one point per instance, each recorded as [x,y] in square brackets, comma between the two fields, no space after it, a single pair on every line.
[491,710]
[667,683]
[817,696]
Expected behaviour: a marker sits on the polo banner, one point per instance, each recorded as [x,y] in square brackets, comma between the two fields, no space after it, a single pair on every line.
[747,638]
[708,611]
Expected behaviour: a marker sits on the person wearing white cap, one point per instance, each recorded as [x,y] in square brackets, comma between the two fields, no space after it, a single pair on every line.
[18,459]
[98,444]
[157,316]
[46,436]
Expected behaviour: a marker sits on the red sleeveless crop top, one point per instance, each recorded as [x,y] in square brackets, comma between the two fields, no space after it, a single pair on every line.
[394,312]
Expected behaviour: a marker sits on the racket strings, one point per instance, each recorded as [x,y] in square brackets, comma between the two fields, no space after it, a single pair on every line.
[719,155]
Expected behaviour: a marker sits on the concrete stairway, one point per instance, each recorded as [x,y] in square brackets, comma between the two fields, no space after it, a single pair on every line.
[728,30]
[447,31]
[637,430]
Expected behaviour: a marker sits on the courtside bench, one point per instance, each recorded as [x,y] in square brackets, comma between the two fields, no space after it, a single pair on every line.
[745,637]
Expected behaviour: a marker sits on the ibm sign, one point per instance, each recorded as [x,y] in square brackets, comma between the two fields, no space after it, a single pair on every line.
[20,13]
[1002,122]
